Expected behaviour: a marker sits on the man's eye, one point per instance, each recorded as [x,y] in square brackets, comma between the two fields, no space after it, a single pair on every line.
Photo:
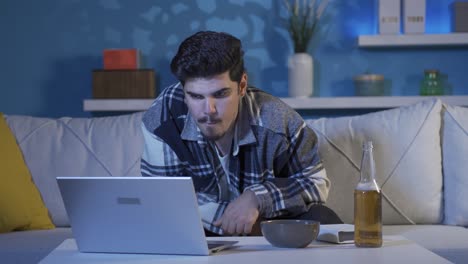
[196,96]
[221,94]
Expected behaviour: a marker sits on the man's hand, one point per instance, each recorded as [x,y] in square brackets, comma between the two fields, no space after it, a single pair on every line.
[240,215]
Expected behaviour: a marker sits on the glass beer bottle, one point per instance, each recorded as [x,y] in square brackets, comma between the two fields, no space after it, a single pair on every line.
[367,203]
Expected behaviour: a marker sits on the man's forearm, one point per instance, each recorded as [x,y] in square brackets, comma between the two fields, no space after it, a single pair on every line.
[292,196]
[208,213]
[210,210]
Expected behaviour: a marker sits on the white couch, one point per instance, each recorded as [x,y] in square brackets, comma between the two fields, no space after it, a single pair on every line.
[421,154]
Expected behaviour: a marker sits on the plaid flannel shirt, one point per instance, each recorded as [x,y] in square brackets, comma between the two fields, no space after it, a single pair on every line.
[275,156]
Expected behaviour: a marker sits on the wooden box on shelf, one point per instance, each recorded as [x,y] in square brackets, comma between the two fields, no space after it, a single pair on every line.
[109,84]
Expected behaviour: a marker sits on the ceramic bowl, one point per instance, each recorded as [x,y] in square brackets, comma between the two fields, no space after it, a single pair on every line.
[290,233]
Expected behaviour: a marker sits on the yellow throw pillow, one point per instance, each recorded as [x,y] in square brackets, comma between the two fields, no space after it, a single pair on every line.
[21,205]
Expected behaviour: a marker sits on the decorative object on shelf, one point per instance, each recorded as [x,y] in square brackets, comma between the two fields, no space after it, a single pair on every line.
[109,84]
[389,16]
[414,14]
[302,24]
[460,16]
[122,59]
[432,83]
[369,84]
[300,75]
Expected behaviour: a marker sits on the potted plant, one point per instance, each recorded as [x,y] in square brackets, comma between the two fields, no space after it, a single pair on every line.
[302,21]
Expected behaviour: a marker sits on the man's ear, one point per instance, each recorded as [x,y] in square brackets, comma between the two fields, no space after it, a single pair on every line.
[243,84]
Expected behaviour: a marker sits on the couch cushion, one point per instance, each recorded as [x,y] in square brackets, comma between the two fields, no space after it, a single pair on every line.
[455,157]
[407,155]
[103,146]
[21,206]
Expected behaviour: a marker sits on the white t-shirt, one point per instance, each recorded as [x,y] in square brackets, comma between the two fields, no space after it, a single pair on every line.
[226,193]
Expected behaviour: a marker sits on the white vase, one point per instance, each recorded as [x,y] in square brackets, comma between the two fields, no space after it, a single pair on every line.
[301,75]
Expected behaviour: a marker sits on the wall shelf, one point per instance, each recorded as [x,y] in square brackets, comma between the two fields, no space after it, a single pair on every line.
[416,40]
[307,103]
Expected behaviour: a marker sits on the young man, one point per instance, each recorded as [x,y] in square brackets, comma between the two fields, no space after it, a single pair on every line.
[250,156]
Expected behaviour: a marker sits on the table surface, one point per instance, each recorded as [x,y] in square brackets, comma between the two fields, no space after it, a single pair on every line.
[395,249]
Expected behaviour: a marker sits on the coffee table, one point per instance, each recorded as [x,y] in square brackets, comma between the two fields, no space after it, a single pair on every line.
[395,249]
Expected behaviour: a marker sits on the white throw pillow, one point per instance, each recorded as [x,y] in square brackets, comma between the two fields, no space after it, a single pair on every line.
[455,160]
[407,154]
[102,146]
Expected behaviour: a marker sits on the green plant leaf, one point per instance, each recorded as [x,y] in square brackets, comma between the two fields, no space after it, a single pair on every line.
[302,22]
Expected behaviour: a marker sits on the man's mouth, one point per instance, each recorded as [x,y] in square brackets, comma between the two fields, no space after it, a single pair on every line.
[208,121]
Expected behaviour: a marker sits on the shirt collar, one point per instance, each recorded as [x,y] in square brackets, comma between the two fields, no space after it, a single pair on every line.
[244,134]
[191,131]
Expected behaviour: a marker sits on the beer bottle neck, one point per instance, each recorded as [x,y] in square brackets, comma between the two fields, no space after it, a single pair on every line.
[367,179]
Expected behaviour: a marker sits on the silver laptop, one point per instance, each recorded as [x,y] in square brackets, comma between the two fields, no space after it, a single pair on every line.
[153,215]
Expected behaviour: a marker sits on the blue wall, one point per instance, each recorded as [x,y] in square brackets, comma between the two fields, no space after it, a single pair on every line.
[50,47]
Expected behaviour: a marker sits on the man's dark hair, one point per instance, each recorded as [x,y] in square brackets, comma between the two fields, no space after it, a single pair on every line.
[208,53]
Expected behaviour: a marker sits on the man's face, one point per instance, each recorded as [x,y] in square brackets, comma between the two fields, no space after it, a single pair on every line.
[214,103]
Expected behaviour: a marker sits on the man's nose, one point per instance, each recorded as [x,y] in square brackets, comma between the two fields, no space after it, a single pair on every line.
[210,105]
